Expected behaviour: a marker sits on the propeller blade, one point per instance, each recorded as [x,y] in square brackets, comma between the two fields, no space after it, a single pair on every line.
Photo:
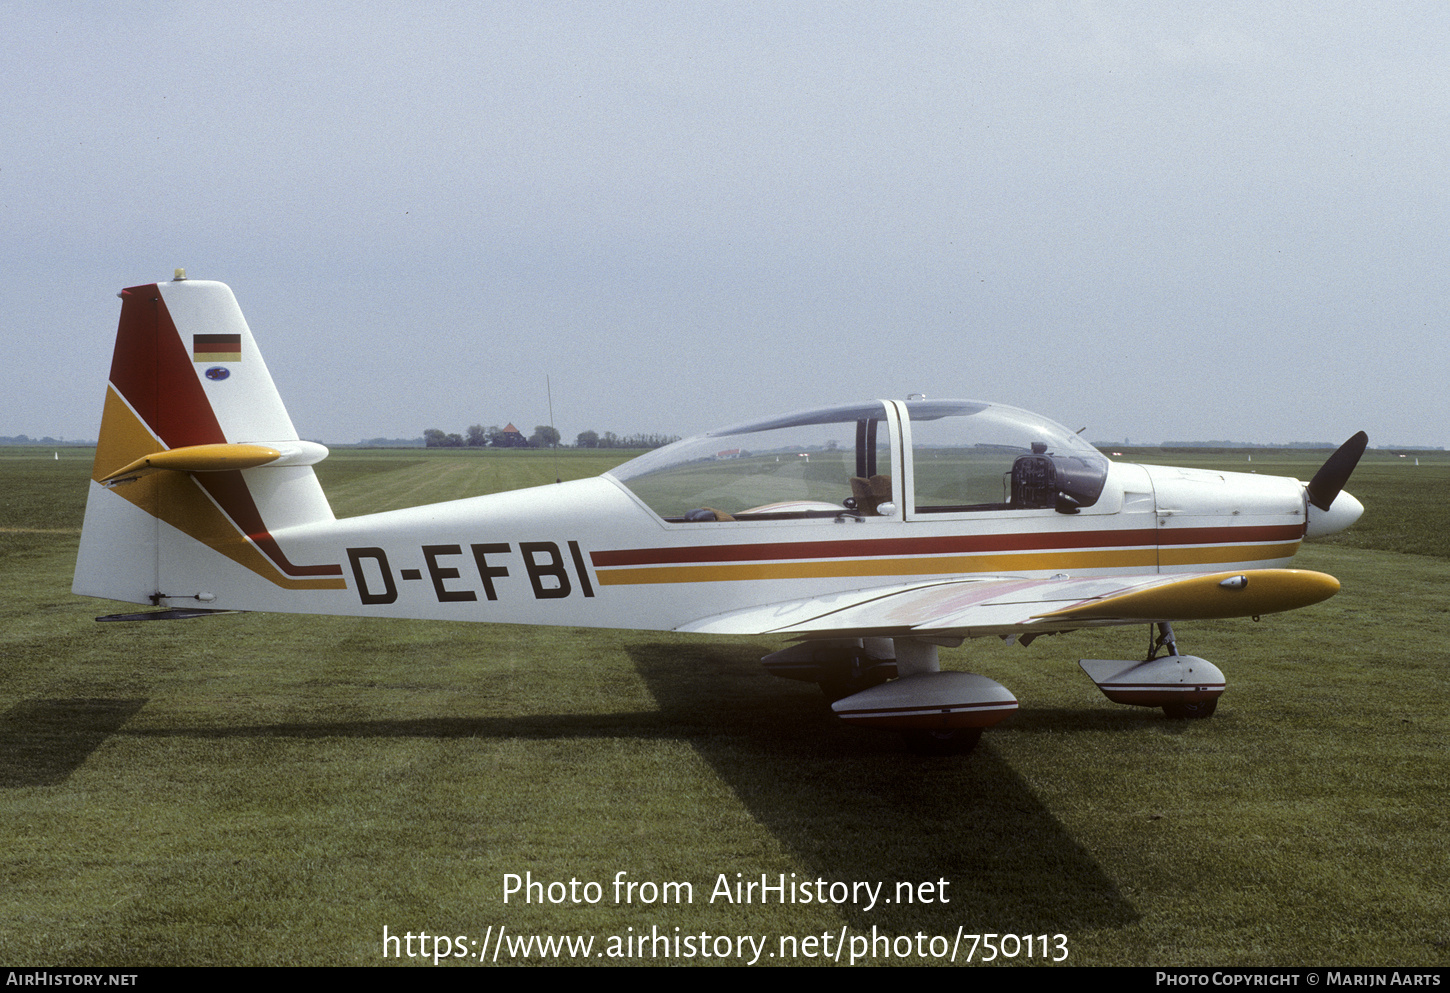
[1333,474]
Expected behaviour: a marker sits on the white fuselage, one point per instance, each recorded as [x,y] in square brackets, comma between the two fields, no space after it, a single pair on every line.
[589,553]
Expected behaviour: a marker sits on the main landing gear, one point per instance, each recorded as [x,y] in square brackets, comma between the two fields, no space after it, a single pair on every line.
[1185,686]
[896,684]
[940,713]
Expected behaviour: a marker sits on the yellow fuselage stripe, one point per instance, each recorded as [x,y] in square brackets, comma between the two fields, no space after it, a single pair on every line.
[1212,554]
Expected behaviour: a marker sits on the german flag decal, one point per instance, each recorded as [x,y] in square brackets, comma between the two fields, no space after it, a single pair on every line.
[216,348]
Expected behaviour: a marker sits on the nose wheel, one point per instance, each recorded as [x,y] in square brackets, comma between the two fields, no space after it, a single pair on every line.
[1184,710]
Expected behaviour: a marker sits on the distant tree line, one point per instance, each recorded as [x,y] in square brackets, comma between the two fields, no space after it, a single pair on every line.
[544,436]
[21,439]
[383,443]
[493,436]
[591,439]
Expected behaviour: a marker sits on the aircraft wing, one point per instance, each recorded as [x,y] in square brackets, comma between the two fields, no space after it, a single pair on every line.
[1004,606]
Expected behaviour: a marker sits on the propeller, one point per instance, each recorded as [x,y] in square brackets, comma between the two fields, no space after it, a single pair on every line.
[1334,473]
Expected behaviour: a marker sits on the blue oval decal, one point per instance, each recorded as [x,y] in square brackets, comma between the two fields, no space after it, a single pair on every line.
[217,372]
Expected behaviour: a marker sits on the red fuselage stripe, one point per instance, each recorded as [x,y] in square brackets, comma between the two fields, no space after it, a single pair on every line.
[946,545]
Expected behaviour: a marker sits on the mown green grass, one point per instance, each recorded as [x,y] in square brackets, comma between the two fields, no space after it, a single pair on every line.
[370,481]
[258,789]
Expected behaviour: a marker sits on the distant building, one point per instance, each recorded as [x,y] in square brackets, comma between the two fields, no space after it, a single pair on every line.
[512,437]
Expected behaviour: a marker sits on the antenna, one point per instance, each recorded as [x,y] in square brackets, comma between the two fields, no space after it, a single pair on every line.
[549,389]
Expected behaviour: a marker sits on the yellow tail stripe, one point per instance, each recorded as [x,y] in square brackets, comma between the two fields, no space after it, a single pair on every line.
[177,499]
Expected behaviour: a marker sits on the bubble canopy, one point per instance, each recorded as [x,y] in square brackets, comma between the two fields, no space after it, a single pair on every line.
[956,456]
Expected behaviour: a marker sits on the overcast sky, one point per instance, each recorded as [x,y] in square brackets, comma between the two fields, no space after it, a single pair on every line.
[1158,221]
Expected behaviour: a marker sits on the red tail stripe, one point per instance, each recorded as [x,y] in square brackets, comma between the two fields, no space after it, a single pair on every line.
[149,351]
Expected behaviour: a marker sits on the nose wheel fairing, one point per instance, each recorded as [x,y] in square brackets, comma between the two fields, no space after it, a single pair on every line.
[1168,681]
[1185,686]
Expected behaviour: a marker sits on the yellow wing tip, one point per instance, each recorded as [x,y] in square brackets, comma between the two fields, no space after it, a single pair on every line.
[1217,595]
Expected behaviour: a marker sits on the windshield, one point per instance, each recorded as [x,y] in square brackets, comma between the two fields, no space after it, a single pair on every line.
[969,456]
[818,463]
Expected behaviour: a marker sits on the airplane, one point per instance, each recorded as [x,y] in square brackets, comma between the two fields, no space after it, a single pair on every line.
[868,535]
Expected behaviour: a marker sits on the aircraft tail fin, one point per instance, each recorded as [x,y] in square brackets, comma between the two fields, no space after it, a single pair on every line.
[196,457]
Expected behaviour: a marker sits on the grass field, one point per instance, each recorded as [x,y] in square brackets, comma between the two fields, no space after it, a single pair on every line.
[263,789]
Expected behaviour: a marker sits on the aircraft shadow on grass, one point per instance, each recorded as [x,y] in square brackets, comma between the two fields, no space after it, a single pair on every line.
[852,807]
[848,805]
[43,741]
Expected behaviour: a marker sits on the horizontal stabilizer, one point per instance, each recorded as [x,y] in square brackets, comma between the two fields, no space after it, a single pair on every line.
[220,458]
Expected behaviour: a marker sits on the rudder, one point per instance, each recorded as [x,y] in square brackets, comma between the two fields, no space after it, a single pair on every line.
[196,455]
